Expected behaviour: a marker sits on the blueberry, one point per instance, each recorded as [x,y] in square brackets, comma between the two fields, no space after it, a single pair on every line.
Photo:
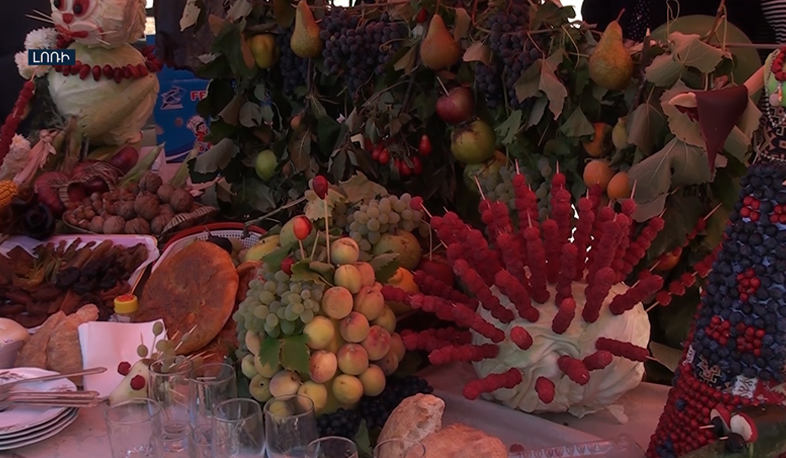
[735,318]
[736,367]
[748,359]
[749,372]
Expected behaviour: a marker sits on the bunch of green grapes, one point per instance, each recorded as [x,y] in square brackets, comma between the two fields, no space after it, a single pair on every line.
[276,306]
[367,222]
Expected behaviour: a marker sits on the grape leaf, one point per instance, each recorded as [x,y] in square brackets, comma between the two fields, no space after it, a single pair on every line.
[324,269]
[528,84]
[478,52]
[217,157]
[301,271]
[462,24]
[551,85]
[537,111]
[284,12]
[363,441]
[647,210]
[679,123]
[644,127]
[664,71]
[677,164]
[407,61]
[270,352]
[315,209]
[691,51]
[295,354]
[508,129]
[682,213]
[275,258]
[300,147]
[577,125]
[358,188]
[385,266]
[250,115]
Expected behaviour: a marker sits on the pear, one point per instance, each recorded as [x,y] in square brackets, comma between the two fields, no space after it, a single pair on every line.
[610,65]
[438,49]
[619,134]
[474,143]
[305,40]
[125,390]
[264,49]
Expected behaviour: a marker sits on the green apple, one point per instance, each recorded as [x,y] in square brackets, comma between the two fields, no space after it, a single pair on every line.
[265,164]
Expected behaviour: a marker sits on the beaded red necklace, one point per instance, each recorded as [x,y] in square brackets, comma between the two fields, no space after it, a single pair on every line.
[776,68]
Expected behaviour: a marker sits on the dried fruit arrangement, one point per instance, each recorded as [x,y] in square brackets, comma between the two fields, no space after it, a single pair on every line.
[64,277]
[151,207]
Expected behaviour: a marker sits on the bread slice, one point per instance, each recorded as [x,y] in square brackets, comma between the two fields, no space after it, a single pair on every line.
[414,419]
[462,441]
[33,354]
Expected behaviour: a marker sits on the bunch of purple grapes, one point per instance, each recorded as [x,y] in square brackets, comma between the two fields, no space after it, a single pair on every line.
[293,69]
[359,50]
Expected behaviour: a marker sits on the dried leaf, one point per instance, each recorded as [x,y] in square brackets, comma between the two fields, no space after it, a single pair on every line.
[407,61]
[284,12]
[216,24]
[240,9]
[300,148]
[190,14]
[691,51]
[462,25]
[679,123]
[552,86]
[478,52]
[360,189]
[231,113]
[527,85]
[667,356]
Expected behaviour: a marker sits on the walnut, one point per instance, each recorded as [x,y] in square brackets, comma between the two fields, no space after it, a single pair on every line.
[137,226]
[146,206]
[114,225]
[97,224]
[90,213]
[181,200]
[159,223]
[165,192]
[98,206]
[84,224]
[70,218]
[133,188]
[150,182]
[166,210]
[125,209]
[111,207]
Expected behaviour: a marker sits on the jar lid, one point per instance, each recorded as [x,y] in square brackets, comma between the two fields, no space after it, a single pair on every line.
[127,303]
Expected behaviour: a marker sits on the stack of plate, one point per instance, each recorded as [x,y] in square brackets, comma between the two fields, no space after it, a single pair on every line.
[21,425]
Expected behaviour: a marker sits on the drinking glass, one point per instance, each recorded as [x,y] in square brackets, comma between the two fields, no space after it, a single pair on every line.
[130,426]
[204,445]
[332,447]
[211,384]
[399,448]
[238,428]
[290,425]
[172,440]
[169,385]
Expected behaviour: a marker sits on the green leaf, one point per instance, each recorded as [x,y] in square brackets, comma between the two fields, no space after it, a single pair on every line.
[300,147]
[274,259]
[358,188]
[552,86]
[691,51]
[644,125]
[537,111]
[216,68]
[315,209]
[682,213]
[270,352]
[407,61]
[462,24]
[250,115]
[363,441]
[577,125]
[679,123]
[230,43]
[508,129]
[141,167]
[284,12]
[528,84]
[324,269]
[217,157]
[295,354]
[478,52]
[664,71]
[301,271]
[677,164]
[647,210]
[385,266]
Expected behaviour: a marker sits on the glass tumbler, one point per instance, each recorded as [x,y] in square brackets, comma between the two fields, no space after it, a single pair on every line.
[399,448]
[204,445]
[170,386]
[211,384]
[332,447]
[238,430]
[172,440]
[290,425]
[131,425]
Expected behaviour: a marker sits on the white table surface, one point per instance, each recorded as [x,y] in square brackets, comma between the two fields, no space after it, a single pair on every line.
[86,437]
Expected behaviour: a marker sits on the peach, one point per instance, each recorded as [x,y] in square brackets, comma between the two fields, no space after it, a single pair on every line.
[347,389]
[389,363]
[314,391]
[259,387]
[387,320]
[247,366]
[397,346]
[322,366]
[266,370]
[373,380]
[344,251]
[354,328]
[320,332]
[285,383]
[367,274]
[352,359]
[369,302]
[253,342]
[337,302]
[349,277]
[377,344]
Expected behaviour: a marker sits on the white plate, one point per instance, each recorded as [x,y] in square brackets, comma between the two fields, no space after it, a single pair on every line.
[18,418]
[44,434]
[43,426]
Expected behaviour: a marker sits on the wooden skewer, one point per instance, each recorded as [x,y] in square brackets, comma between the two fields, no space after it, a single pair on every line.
[707,427]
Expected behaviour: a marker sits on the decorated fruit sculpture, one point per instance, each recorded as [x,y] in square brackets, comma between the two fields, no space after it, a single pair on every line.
[551,325]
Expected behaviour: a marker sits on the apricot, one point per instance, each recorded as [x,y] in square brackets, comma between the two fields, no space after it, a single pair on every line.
[598,172]
[354,328]
[619,186]
[373,380]
[349,277]
[322,366]
[347,389]
[337,302]
[377,344]
[369,302]
[387,320]
[320,332]
[352,359]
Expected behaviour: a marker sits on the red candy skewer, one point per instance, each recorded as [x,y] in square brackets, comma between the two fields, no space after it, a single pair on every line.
[574,369]
[492,382]
[536,257]
[552,246]
[623,349]
[521,337]
[568,268]
[596,293]
[545,389]
[640,291]
[565,315]
[598,360]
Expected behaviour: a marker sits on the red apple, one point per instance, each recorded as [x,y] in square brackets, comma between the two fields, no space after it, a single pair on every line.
[301,227]
[437,269]
[457,106]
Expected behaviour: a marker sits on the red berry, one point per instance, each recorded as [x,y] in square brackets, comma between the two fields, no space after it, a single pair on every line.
[118,75]
[384,156]
[96,72]
[403,169]
[286,265]
[84,72]
[320,185]
[425,145]
[143,71]
[421,17]
[137,383]
[376,152]
[416,202]
[301,227]
[123,368]
[109,72]
[417,166]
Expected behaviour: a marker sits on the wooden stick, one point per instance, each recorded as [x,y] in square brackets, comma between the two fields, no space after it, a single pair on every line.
[327,229]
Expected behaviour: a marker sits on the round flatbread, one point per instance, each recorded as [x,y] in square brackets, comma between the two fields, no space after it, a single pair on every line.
[194,288]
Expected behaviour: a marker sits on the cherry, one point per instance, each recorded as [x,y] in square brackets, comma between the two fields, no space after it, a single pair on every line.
[417,166]
[123,368]
[422,15]
[384,156]
[137,383]
[286,265]
[320,185]
[403,168]
[425,145]
[376,152]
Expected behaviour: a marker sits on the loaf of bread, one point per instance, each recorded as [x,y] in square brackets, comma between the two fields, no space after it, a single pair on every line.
[414,419]
[461,441]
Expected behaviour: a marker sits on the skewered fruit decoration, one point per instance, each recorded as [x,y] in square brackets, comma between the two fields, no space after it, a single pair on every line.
[551,326]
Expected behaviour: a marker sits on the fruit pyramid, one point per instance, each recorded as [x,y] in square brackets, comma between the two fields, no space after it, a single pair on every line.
[551,325]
